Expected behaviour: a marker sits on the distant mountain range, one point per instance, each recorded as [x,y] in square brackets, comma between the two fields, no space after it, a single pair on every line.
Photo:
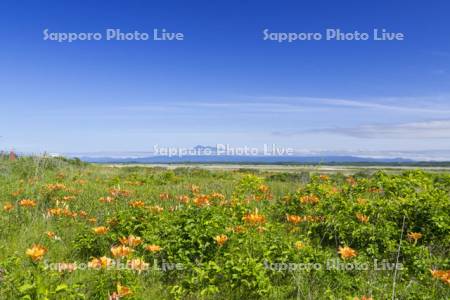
[244,159]
[210,155]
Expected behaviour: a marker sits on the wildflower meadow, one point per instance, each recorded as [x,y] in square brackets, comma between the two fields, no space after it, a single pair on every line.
[72,230]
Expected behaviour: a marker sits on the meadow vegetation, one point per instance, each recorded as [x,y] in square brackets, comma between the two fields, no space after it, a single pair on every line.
[71,230]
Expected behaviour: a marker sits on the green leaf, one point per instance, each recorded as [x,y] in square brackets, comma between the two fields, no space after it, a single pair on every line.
[61,287]
[26,287]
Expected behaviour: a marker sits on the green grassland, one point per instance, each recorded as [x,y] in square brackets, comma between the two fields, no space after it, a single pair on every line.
[221,233]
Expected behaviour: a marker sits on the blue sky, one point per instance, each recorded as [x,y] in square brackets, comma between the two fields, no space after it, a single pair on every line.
[223,83]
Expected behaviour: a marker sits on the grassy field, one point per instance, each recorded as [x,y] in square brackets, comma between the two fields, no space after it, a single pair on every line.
[322,169]
[70,230]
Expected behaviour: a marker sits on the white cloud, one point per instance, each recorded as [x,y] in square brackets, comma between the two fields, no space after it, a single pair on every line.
[269,105]
[435,129]
[435,104]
